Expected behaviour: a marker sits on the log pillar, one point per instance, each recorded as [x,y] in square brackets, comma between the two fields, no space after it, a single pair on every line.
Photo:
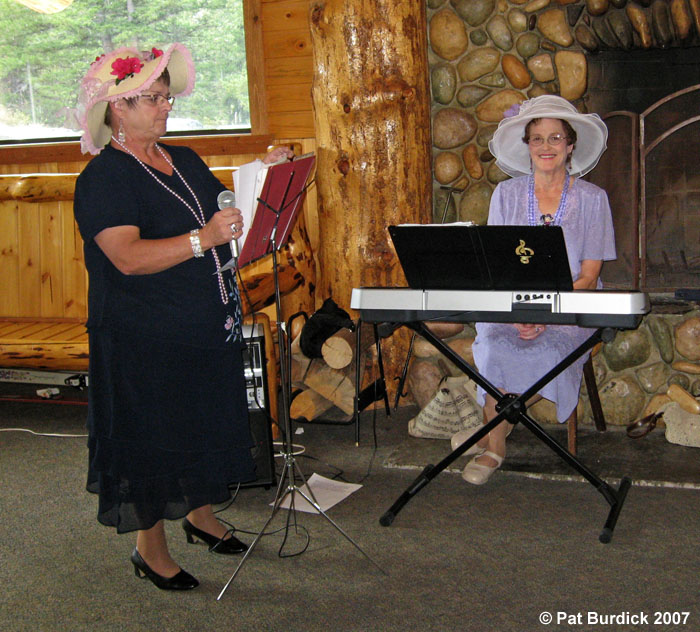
[372,116]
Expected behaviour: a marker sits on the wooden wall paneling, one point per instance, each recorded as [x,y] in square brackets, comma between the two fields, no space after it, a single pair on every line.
[289,98]
[298,124]
[51,236]
[284,15]
[9,258]
[74,274]
[286,41]
[285,44]
[289,70]
[29,245]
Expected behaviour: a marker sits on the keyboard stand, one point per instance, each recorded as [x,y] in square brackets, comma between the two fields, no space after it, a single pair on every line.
[513,408]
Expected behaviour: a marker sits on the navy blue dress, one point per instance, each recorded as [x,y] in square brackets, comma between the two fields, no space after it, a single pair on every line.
[167,411]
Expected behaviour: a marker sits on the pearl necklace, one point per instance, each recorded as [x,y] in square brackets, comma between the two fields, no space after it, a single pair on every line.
[199,217]
[547,219]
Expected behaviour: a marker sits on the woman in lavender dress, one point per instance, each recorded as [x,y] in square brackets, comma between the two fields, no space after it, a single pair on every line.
[544,146]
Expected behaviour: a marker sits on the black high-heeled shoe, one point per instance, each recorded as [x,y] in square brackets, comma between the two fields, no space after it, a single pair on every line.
[182,581]
[228,546]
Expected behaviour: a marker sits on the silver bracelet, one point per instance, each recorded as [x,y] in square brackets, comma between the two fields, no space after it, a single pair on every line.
[195,243]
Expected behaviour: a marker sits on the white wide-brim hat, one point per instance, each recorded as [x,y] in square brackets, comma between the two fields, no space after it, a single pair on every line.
[513,155]
[123,73]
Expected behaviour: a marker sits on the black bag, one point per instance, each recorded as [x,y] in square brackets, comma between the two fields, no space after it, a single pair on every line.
[322,325]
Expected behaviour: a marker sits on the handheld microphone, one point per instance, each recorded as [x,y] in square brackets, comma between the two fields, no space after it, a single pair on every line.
[227,199]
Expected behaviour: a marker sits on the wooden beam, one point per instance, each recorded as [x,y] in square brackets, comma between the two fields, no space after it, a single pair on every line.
[204,145]
[45,187]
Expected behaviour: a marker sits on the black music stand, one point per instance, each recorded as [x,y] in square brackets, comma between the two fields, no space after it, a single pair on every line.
[513,408]
[404,372]
[291,471]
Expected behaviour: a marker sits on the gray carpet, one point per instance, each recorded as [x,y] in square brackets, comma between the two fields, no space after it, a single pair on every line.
[457,557]
[648,461]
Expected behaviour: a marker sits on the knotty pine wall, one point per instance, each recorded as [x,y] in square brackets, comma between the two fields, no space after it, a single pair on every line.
[41,261]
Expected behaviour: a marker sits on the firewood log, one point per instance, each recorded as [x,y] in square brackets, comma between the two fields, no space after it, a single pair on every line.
[309,405]
[299,363]
[336,385]
[339,349]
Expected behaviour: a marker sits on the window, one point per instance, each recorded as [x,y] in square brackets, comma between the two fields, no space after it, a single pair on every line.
[43,57]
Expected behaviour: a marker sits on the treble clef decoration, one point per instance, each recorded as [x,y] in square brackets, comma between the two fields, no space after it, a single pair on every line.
[524,252]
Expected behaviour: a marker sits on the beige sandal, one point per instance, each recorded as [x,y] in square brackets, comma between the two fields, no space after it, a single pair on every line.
[477,473]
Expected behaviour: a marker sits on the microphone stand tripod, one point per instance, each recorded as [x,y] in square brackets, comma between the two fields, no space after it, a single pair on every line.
[287,486]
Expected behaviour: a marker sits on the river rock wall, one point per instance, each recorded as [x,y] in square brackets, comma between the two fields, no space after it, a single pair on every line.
[486,55]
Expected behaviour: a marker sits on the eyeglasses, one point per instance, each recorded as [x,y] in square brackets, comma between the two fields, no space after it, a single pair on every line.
[554,139]
[156,99]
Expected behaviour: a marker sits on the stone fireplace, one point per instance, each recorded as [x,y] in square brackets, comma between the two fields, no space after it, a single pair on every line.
[638,65]
[619,58]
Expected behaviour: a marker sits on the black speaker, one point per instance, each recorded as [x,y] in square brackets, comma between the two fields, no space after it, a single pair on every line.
[258,406]
[262,450]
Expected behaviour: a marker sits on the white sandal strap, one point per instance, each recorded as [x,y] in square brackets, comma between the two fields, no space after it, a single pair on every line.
[494,456]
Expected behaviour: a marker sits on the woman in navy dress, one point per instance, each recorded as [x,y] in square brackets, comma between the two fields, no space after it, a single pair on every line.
[544,146]
[167,414]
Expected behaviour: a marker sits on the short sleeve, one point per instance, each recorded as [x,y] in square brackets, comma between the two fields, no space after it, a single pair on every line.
[100,201]
[599,235]
[496,206]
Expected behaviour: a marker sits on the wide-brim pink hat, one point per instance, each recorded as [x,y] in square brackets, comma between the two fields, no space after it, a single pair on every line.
[123,73]
[512,154]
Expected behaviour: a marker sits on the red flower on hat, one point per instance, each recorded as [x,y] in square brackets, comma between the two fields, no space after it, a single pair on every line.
[156,52]
[124,67]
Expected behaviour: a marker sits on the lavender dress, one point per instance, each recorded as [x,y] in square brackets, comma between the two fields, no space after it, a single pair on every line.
[503,358]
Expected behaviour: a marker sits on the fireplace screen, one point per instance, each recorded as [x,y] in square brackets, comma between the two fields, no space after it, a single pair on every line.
[651,172]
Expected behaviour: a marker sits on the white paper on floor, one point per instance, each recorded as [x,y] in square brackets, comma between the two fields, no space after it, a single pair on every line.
[326,491]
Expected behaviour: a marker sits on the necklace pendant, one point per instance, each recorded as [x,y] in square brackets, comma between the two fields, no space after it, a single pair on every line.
[546,219]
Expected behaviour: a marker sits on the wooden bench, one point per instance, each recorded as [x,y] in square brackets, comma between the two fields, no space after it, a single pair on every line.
[51,344]
[43,291]
[43,285]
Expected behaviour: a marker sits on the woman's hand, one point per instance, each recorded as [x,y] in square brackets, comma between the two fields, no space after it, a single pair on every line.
[528,331]
[277,154]
[224,225]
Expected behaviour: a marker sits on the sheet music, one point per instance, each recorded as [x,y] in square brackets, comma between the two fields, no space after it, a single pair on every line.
[245,184]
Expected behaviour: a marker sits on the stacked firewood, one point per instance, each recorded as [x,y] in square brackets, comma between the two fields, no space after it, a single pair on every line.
[326,384]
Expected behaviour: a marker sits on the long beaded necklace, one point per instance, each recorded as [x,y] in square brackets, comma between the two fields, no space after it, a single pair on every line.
[546,219]
[199,217]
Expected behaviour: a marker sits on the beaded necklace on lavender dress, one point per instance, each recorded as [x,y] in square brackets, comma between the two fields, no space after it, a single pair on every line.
[199,216]
[545,219]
